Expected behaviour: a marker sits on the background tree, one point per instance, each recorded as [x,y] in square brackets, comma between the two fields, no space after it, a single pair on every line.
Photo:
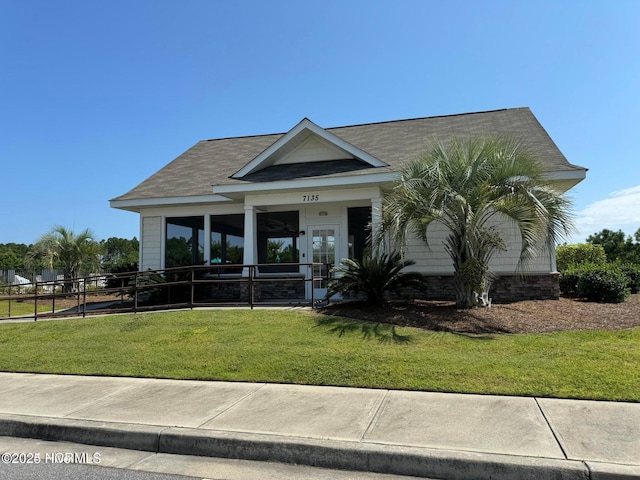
[120,254]
[73,253]
[12,255]
[617,246]
[8,259]
[466,185]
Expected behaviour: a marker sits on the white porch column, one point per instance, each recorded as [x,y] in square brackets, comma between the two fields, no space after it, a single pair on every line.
[376,219]
[250,238]
[552,257]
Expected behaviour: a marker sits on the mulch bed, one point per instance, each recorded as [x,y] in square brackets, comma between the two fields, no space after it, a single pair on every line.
[532,316]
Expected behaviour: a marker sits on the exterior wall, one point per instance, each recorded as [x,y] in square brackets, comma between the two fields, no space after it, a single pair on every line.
[151,244]
[434,259]
[313,149]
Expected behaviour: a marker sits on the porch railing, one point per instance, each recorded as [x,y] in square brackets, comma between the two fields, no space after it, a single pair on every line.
[170,288]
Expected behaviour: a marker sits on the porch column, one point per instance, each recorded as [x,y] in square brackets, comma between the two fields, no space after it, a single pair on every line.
[376,220]
[552,257]
[250,238]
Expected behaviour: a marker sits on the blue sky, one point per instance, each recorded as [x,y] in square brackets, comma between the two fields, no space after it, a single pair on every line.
[95,96]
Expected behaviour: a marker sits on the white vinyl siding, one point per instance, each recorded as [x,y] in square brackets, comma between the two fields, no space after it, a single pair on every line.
[151,243]
[435,260]
[314,149]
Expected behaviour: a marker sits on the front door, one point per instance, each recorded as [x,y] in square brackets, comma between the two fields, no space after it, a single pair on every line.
[323,245]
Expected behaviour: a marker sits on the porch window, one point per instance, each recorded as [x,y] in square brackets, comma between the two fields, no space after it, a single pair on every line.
[184,241]
[227,240]
[278,241]
[359,231]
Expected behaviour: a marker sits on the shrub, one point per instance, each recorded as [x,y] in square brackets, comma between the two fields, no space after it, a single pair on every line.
[118,276]
[568,256]
[632,271]
[603,283]
[568,280]
[374,277]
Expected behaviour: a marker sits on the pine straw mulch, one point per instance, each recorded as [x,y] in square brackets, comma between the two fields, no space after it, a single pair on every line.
[531,316]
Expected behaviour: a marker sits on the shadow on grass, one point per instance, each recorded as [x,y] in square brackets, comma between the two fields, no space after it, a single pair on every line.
[432,316]
[383,332]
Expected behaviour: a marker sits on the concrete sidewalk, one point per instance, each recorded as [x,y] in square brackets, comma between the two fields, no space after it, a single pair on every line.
[435,435]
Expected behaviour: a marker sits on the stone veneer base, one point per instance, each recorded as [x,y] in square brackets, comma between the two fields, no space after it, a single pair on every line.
[505,288]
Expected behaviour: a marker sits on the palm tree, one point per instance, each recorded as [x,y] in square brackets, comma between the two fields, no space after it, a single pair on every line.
[73,253]
[465,185]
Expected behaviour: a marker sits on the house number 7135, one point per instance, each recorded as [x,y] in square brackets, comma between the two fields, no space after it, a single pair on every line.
[310,198]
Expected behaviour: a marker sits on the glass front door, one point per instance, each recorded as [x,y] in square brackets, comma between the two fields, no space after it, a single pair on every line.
[323,245]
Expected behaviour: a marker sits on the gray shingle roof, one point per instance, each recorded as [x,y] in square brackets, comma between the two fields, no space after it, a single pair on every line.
[212,162]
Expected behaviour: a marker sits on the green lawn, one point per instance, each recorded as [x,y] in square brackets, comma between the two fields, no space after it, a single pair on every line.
[21,308]
[306,348]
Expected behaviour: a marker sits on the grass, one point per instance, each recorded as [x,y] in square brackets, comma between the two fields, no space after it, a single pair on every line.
[21,308]
[307,348]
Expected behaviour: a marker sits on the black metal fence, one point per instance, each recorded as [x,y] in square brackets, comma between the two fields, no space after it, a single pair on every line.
[171,288]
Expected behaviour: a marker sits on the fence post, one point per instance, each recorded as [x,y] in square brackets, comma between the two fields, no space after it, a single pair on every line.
[313,274]
[135,293]
[84,297]
[193,279]
[251,274]
[35,304]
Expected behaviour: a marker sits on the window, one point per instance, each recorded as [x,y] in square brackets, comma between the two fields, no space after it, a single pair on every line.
[184,241]
[278,240]
[227,240]
[359,231]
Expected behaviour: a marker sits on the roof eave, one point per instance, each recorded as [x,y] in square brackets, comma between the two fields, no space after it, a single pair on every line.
[137,204]
[567,179]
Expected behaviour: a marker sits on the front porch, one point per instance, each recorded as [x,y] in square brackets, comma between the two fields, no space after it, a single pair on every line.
[273,239]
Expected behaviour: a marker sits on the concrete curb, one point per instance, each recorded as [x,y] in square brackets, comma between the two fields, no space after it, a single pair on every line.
[333,454]
[610,471]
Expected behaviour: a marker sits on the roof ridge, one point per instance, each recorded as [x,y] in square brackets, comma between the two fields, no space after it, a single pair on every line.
[370,123]
[241,136]
[429,117]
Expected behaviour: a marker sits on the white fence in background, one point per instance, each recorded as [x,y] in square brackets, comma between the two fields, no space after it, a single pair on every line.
[29,278]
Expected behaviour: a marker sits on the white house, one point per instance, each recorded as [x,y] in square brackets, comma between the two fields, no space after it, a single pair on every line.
[307,195]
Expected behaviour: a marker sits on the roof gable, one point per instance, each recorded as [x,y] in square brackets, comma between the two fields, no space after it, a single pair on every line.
[306,142]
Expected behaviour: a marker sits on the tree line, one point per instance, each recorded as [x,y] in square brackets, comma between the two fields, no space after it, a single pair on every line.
[617,246]
[72,253]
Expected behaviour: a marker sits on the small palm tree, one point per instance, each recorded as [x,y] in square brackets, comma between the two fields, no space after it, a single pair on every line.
[72,253]
[374,276]
[464,185]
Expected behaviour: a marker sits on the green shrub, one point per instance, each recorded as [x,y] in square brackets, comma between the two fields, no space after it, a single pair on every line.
[632,271]
[603,283]
[568,256]
[569,280]
[600,283]
[374,277]
[117,277]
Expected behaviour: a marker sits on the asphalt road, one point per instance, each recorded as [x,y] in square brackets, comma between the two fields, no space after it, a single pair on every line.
[43,471]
